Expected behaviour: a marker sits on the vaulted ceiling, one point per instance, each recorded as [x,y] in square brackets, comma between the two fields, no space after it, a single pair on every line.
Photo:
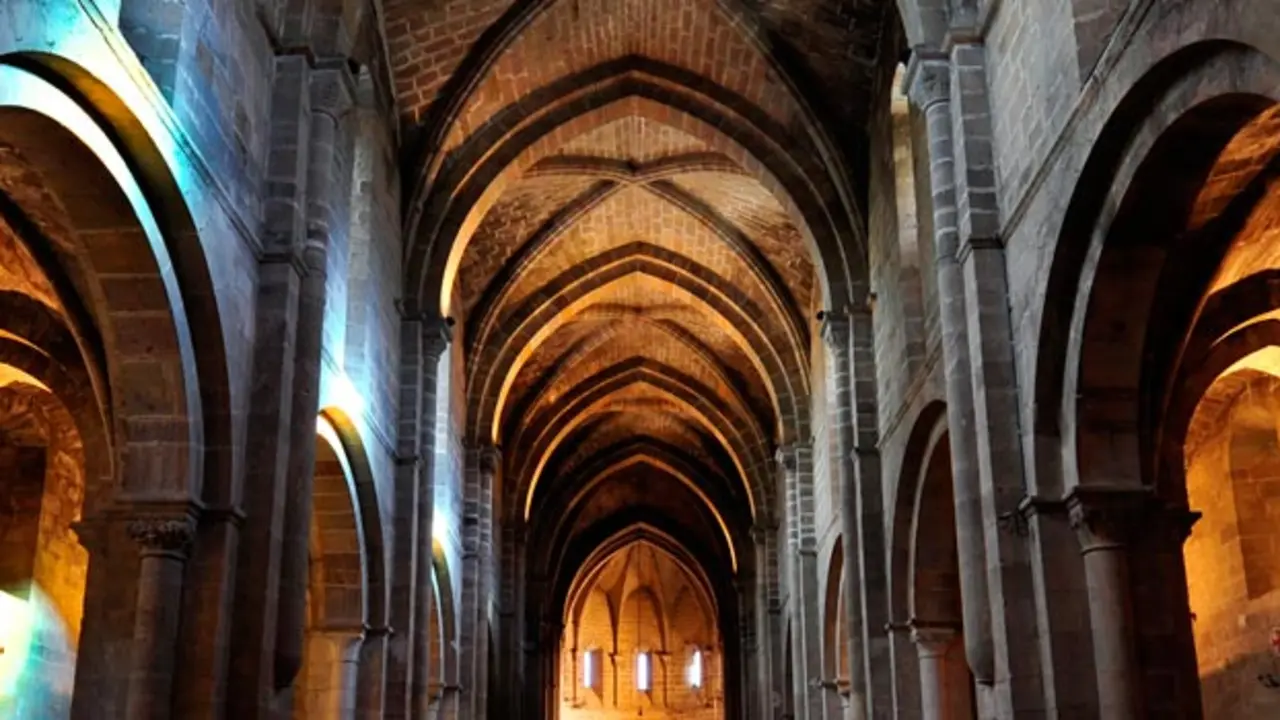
[618,200]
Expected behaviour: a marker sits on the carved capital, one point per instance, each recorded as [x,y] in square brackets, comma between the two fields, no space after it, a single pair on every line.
[928,80]
[1104,517]
[162,535]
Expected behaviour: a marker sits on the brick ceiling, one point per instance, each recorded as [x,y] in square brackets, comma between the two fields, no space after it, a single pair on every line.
[631,280]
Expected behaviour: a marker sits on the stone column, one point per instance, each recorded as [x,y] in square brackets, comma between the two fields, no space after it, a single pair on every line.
[437,334]
[795,467]
[483,464]
[163,540]
[507,701]
[371,681]
[850,336]
[930,78]
[932,644]
[762,634]
[1102,516]
[835,332]
[259,548]
[328,166]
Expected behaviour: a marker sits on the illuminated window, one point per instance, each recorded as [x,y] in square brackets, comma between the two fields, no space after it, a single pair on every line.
[644,673]
[591,669]
[693,675]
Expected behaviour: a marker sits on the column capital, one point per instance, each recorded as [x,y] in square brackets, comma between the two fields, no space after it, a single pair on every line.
[932,639]
[437,334]
[927,80]
[333,89]
[162,535]
[787,458]
[1104,515]
[835,330]
[488,458]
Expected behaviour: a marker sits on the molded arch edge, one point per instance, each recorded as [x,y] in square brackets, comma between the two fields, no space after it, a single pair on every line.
[337,429]
[47,98]
[142,146]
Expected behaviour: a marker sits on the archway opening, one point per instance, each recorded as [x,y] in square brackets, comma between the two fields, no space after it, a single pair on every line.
[43,568]
[640,637]
[336,588]
[946,685]
[1165,409]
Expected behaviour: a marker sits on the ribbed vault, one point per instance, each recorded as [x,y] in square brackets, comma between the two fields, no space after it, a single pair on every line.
[632,212]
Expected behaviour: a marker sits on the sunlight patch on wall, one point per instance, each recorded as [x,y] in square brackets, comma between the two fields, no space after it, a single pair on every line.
[37,665]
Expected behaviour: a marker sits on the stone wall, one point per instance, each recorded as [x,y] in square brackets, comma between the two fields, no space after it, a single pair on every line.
[659,617]
[1233,468]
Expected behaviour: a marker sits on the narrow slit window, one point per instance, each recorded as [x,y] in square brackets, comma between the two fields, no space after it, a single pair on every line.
[694,672]
[592,669]
[644,673]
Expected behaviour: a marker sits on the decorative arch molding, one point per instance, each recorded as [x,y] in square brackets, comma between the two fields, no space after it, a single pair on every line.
[571,488]
[832,611]
[364,496]
[71,386]
[782,371]
[335,431]
[441,222]
[137,149]
[1163,97]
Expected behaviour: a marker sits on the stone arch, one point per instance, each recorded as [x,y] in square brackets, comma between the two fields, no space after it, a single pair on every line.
[835,638]
[479,167]
[1220,82]
[141,182]
[343,435]
[717,422]
[339,566]
[108,238]
[443,587]
[495,365]
[599,476]
[337,595]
